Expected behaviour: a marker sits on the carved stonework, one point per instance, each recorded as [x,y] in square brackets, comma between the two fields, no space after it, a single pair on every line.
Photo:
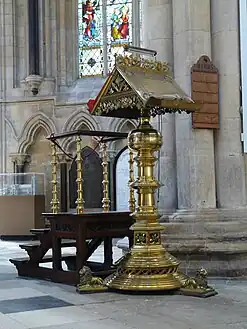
[20,158]
[33,83]
[64,158]
[205,91]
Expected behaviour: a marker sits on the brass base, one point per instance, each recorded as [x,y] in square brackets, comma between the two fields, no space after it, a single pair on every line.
[209,292]
[151,269]
[197,287]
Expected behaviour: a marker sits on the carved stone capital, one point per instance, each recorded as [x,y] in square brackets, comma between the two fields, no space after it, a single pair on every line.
[63,158]
[33,83]
[20,158]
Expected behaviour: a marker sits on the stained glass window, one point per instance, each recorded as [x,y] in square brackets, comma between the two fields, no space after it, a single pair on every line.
[105,27]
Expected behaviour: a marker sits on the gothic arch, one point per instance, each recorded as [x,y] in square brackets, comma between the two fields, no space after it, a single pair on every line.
[30,129]
[79,118]
[118,124]
[11,126]
[76,121]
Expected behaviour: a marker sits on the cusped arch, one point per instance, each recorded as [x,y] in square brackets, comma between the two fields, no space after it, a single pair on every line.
[79,118]
[11,127]
[31,128]
[118,124]
[76,121]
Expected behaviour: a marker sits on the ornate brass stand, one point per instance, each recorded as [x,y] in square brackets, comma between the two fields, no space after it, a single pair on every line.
[105,182]
[55,199]
[79,180]
[131,180]
[148,266]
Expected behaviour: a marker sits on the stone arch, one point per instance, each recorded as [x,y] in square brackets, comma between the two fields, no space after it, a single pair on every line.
[123,125]
[76,121]
[11,144]
[121,180]
[118,124]
[11,127]
[30,129]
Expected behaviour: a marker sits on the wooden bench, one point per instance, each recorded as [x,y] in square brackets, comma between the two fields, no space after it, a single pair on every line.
[86,232]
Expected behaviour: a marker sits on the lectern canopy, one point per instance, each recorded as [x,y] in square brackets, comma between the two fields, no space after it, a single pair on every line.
[136,84]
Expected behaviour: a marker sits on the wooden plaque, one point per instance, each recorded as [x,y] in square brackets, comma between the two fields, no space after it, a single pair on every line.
[205,91]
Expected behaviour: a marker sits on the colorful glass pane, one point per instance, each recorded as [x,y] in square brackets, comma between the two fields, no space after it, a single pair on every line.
[119,20]
[105,26]
[90,23]
[90,37]
[119,28]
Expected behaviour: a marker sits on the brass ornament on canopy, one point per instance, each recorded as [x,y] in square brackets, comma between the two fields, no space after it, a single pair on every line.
[139,88]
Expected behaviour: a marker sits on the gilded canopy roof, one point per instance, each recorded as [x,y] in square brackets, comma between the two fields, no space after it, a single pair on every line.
[136,83]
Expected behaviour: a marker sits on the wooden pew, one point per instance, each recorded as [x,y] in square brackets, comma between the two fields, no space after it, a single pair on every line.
[86,232]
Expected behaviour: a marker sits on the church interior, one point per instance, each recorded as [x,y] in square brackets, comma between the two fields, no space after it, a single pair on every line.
[123,168]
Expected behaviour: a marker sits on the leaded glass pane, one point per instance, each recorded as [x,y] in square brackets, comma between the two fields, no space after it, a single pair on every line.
[90,37]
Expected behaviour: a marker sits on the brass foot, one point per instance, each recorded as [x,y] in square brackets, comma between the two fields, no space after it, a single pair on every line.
[197,286]
[89,284]
[90,289]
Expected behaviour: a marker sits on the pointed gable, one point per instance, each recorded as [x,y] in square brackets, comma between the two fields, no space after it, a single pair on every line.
[137,83]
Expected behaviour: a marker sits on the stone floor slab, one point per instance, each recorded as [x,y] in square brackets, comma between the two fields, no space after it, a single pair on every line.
[8,323]
[55,317]
[8,293]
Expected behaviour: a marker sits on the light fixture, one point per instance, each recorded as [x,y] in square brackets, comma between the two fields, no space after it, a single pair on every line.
[141,51]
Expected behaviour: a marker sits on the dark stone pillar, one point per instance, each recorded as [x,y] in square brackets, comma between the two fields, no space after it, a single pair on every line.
[19,169]
[33,19]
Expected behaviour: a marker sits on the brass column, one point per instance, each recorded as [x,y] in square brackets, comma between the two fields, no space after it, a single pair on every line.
[54,182]
[148,266]
[105,182]
[79,179]
[131,180]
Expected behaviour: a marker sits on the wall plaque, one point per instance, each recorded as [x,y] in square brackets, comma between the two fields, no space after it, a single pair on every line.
[205,91]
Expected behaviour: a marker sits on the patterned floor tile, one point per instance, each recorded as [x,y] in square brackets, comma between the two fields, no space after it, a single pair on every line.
[30,304]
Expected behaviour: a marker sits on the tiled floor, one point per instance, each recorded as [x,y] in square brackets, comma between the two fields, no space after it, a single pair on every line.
[37,304]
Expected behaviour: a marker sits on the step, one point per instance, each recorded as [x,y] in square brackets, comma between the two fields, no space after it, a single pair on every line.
[45,259]
[35,244]
[39,231]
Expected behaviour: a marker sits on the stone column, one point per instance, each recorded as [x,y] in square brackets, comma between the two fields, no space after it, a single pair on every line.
[66,24]
[195,148]
[230,173]
[157,35]
[19,160]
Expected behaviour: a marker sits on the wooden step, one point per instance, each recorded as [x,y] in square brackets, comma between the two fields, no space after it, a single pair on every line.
[45,259]
[35,244]
[39,230]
